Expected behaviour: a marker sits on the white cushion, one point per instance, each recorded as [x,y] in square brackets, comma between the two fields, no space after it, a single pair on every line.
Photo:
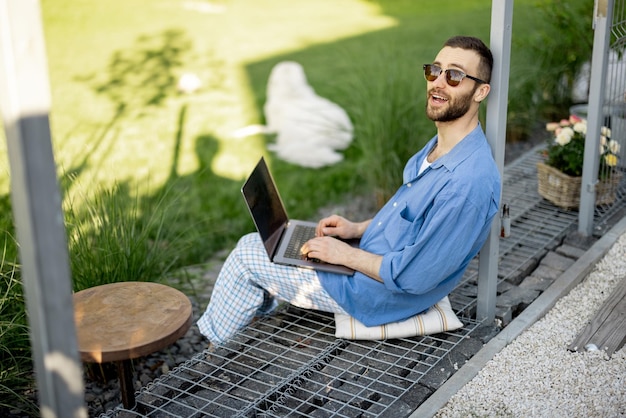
[438,318]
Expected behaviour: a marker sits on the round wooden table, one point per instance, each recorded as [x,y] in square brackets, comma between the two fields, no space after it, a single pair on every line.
[118,322]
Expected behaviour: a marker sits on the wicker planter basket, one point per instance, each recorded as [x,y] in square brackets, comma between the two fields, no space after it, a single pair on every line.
[564,190]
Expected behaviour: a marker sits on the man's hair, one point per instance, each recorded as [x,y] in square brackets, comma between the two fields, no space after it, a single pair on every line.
[476,45]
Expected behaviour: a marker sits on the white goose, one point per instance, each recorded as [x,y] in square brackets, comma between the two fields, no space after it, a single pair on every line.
[309,129]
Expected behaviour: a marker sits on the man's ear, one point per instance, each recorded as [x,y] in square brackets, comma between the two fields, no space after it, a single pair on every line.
[482,92]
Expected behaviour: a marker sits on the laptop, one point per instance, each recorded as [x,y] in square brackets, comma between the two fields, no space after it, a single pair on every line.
[282,237]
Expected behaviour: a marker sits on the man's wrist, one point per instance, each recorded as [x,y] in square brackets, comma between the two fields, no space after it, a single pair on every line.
[361,227]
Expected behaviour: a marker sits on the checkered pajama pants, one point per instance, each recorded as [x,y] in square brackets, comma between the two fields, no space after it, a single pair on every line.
[250,285]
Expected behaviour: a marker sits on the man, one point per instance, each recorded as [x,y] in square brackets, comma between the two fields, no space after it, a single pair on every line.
[417,247]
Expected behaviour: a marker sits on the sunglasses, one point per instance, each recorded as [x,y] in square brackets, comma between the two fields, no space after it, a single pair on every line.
[453,77]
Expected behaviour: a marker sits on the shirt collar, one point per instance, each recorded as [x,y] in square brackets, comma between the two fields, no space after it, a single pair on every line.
[454,157]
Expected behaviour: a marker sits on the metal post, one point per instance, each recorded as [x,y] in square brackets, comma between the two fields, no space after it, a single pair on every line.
[602,19]
[501,33]
[25,103]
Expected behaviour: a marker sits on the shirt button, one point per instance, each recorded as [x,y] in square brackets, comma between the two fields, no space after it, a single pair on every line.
[408,185]
[379,223]
[395,204]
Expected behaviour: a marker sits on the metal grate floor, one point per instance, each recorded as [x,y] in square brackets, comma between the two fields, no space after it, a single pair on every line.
[291,364]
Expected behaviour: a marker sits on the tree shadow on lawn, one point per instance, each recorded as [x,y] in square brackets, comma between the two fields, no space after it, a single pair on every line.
[143,76]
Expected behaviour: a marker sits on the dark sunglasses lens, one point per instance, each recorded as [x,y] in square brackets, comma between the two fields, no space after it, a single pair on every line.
[431,72]
[454,77]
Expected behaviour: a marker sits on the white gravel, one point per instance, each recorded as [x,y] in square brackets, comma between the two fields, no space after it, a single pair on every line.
[536,376]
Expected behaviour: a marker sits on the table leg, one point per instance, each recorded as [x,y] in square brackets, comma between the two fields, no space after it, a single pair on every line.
[125,374]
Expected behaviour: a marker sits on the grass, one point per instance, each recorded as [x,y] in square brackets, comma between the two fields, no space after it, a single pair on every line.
[117,237]
[16,377]
[151,177]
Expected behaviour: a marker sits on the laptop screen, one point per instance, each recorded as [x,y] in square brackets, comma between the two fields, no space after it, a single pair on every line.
[265,206]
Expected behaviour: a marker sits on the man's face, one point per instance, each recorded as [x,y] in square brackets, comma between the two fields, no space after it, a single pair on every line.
[444,102]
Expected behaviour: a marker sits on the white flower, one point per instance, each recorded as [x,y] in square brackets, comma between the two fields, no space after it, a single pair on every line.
[603,140]
[581,127]
[568,131]
[564,137]
[614,146]
[552,126]
[605,131]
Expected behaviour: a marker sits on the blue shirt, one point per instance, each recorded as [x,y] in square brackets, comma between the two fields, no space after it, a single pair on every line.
[427,233]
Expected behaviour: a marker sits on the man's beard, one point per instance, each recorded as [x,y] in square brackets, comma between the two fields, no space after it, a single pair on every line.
[456,108]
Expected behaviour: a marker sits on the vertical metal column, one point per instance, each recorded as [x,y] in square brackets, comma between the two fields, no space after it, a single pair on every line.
[603,16]
[500,44]
[25,103]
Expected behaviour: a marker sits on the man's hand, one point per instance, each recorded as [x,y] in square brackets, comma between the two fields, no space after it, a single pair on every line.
[334,251]
[340,227]
[328,249]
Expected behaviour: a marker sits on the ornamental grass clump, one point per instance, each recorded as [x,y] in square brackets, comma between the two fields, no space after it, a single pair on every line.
[565,150]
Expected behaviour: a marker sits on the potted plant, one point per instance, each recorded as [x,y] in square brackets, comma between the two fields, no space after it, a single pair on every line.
[559,176]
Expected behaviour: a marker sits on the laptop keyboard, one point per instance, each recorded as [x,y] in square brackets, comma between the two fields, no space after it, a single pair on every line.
[301,234]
